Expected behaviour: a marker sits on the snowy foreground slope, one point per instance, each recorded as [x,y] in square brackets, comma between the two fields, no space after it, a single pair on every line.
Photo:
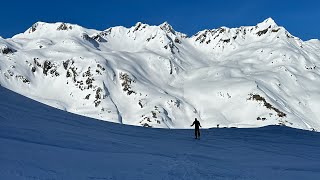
[41,142]
[154,76]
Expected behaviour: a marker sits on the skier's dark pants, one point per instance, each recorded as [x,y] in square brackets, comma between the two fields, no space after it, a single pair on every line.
[197,132]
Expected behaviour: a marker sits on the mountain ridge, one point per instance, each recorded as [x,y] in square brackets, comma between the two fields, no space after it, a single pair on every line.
[66,26]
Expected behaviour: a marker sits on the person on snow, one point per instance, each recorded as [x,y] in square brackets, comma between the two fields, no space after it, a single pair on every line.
[196,124]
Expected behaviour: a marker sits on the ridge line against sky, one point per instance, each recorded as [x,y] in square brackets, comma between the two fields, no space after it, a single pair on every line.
[189,17]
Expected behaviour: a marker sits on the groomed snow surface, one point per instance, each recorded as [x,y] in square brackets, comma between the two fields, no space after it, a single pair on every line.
[38,142]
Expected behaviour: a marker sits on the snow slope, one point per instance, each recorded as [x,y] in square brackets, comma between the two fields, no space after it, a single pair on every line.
[41,142]
[154,76]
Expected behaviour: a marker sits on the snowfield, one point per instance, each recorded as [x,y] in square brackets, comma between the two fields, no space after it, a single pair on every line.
[154,76]
[41,142]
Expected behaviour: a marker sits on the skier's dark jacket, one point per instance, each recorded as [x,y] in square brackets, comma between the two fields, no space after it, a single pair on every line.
[196,123]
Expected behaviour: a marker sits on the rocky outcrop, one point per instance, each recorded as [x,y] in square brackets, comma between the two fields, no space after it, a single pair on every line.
[7,50]
[64,27]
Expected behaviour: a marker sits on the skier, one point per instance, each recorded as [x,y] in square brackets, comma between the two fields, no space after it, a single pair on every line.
[196,124]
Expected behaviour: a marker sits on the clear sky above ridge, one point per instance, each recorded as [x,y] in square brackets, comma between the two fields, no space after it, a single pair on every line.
[300,18]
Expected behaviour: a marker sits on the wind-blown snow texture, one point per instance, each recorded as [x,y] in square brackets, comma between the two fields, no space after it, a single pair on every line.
[155,76]
[41,142]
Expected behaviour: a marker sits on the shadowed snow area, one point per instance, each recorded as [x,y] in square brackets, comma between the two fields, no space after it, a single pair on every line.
[40,142]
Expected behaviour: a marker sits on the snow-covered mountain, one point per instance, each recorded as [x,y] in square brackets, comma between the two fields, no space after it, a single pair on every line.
[154,76]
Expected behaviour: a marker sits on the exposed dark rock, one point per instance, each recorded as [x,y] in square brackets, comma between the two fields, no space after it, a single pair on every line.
[33,28]
[140,104]
[225,40]
[98,72]
[7,50]
[71,72]
[139,27]
[10,72]
[87,73]
[257,97]
[176,40]
[102,68]
[106,32]
[89,80]
[288,35]
[47,65]
[126,83]
[97,103]
[87,96]
[37,63]
[166,27]
[146,125]
[68,74]
[172,47]
[262,32]
[23,79]
[275,30]
[63,27]
[202,37]
[99,38]
[221,30]
[67,63]
[98,97]
[154,114]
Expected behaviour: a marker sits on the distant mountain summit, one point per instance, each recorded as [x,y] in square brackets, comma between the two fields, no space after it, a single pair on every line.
[154,76]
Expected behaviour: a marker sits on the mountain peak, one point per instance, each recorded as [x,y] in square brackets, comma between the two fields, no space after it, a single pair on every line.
[167,27]
[267,23]
[139,26]
[40,29]
[60,26]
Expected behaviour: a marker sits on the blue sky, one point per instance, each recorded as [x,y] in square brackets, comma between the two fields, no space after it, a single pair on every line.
[300,18]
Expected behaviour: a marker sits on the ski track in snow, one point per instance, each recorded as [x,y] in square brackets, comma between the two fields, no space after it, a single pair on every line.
[38,142]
